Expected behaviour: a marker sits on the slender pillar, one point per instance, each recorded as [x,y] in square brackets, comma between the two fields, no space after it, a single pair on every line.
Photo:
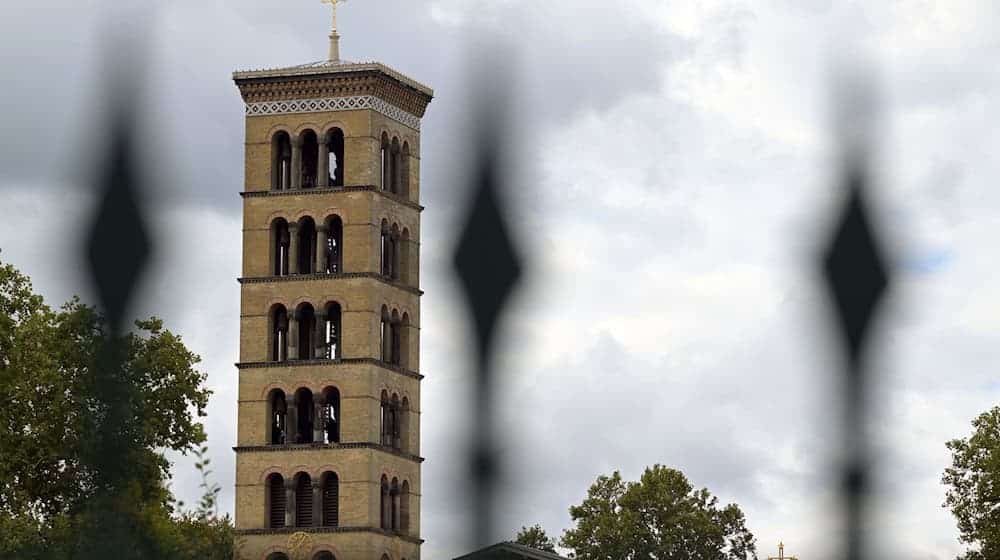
[297,163]
[323,165]
[293,248]
[290,502]
[321,249]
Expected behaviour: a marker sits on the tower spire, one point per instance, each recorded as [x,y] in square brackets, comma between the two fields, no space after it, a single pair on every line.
[334,55]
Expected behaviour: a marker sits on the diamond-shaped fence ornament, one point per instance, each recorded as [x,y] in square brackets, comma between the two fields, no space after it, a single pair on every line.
[118,245]
[485,259]
[854,268]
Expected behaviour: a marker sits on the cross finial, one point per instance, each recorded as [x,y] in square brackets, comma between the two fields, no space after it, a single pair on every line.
[334,37]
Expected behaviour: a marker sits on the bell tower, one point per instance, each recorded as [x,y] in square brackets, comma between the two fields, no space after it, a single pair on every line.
[328,451]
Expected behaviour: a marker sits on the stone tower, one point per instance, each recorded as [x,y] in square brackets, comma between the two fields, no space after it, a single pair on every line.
[328,451]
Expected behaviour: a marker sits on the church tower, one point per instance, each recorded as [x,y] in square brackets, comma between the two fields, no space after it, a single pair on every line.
[328,451]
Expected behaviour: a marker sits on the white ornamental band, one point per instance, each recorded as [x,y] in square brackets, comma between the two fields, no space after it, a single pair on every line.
[333,104]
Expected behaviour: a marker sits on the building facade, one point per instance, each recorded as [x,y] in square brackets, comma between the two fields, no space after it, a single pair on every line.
[328,452]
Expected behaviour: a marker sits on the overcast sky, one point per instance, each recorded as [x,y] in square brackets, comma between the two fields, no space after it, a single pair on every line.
[672,181]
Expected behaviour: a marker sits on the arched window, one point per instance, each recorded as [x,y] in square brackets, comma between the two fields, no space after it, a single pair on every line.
[303,501]
[331,500]
[275,501]
[334,246]
[331,415]
[404,342]
[305,318]
[395,339]
[394,504]
[395,166]
[279,334]
[307,245]
[332,335]
[281,162]
[404,426]
[277,410]
[386,257]
[280,241]
[385,420]
[310,159]
[405,275]
[335,141]
[304,412]
[404,508]
[386,163]
[394,422]
[384,504]
[404,171]
[385,337]
[394,253]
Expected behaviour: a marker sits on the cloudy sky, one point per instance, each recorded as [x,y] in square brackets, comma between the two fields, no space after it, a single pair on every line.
[671,176]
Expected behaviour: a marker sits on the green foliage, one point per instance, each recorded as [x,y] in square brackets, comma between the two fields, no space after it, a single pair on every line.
[86,419]
[536,538]
[659,517]
[974,486]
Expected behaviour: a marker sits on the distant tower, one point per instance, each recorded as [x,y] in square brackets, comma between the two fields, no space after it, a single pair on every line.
[328,452]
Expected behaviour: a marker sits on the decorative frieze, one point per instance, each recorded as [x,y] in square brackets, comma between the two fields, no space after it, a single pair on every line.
[352,103]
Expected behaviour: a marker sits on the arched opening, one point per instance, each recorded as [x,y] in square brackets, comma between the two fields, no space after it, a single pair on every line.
[331,499]
[395,339]
[395,166]
[332,335]
[385,337]
[385,160]
[334,246]
[275,501]
[279,333]
[404,508]
[305,316]
[394,245]
[384,503]
[324,555]
[307,245]
[404,425]
[394,422]
[277,411]
[303,501]
[385,250]
[304,412]
[277,556]
[310,158]
[385,420]
[335,140]
[394,504]
[404,342]
[281,161]
[404,172]
[404,258]
[280,241]
[331,415]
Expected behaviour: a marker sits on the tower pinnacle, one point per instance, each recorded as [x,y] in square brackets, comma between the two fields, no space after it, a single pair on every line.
[334,55]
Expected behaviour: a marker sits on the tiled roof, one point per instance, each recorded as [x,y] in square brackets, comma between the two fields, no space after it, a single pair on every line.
[332,67]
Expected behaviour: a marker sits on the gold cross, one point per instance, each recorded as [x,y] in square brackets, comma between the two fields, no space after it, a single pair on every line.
[781,554]
[333,5]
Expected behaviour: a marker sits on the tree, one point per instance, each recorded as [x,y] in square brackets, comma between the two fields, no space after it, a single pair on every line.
[659,517]
[536,538]
[60,488]
[974,486]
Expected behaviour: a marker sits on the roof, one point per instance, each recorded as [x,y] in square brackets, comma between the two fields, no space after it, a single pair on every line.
[332,67]
[510,551]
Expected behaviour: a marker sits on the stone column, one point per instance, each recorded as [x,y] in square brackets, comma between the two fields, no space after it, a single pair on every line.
[297,163]
[319,337]
[290,502]
[317,489]
[323,165]
[293,336]
[293,248]
[321,249]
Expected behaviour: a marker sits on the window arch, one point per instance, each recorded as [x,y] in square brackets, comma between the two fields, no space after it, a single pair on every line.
[281,161]
[276,501]
[404,508]
[394,421]
[303,500]
[277,411]
[386,523]
[395,166]
[306,237]
[331,334]
[404,171]
[404,342]
[304,415]
[305,318]
[331,499]
[332,259]
[279,333]
[385,337]
[394,253]
[385,420]
[395,339]
[386,254]
[310,158]
[280,243]
[386,164]
[335,159]
[394,504]
[331,415]
[404,425]
[405,275]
